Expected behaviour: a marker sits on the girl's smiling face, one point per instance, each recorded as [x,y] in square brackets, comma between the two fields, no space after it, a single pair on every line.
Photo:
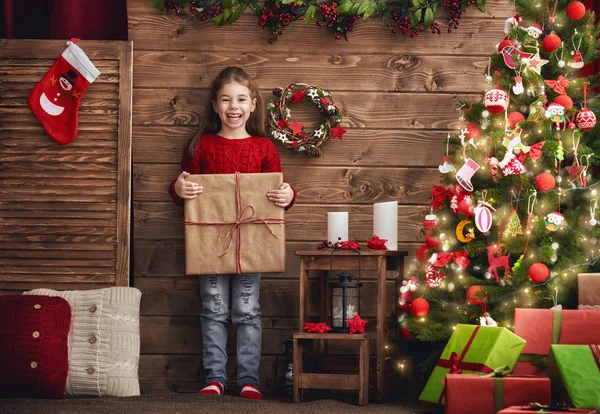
[234,105]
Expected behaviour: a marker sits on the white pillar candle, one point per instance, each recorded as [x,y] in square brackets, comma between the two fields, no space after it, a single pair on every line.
[385,223]
[337,226]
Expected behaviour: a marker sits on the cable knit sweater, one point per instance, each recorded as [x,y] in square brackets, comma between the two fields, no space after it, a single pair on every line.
[218,155]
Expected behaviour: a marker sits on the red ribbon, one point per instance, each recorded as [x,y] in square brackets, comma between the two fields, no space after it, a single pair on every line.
[236,225]
[456,364]
[558,85]
[535,152]
[438,195]
[596,354]
[459,257]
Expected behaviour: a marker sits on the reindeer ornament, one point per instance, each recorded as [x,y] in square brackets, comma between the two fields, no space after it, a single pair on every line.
[496,262]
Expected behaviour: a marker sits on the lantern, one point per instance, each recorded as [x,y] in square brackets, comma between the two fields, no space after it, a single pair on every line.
[345,301]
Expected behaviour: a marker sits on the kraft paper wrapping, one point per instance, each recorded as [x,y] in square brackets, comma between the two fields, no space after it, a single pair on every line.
[224,235]
[588,288]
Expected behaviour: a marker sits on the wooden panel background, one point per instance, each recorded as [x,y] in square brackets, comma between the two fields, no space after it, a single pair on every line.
[65,209]
[398,98]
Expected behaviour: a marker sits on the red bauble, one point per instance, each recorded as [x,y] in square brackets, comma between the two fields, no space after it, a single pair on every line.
[576,10]
[496,101]
[565,101]
[419,307]
[514,118]
[538,272]
[406,333]
[471,292]
[585,119]
[473,132]
[466,207]
[421,253]
[551,42]
[545,181]
[432,242]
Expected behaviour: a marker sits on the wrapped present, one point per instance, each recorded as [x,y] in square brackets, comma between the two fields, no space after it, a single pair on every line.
[588,290]
[576,370]
[472,349]
[232,227]
[474,394]
[544,327]
[536,409]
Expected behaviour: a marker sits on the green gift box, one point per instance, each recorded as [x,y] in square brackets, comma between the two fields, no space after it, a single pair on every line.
[472,349]
[576,370]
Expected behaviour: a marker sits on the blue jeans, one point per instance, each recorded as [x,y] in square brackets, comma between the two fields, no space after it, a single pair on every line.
[245,315]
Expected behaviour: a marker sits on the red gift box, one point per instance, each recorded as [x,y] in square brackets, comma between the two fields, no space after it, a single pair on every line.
[544,327]
[473,394]
[525,409]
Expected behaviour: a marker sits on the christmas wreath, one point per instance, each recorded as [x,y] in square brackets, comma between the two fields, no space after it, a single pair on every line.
[293,135]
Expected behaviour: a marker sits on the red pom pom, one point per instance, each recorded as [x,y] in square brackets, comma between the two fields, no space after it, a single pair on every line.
[421,253]
[565,101]
[419,307]
[471,298]
[576,10]
[472,132]
[466,208]
[514,118]
[538,272]
[545,181]
[432,242]
[406,333]
[551,42]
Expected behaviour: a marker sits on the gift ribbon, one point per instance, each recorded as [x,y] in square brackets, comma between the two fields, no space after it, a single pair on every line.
[535,152]
[456,365]
[438,195]
[558,85]
[541,361]
[459,257]
[235,226]
[596,354]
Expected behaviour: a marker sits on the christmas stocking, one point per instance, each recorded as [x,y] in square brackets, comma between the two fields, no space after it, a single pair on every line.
[55,99]
[463,176]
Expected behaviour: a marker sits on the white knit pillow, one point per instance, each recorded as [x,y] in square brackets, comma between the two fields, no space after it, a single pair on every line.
[104,340]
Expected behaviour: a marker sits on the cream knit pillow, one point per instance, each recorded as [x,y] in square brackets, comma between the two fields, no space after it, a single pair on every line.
[104,340]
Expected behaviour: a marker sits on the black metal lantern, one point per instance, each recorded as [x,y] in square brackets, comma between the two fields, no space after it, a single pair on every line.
[344,301]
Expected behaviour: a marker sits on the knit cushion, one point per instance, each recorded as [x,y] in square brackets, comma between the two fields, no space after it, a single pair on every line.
[34,332]
[104,341]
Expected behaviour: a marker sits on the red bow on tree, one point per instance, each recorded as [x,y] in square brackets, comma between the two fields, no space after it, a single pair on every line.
[438,195]
[535,152]
[558,85]
[459,257]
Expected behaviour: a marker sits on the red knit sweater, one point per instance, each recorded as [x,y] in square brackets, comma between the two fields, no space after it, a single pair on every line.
[218,155]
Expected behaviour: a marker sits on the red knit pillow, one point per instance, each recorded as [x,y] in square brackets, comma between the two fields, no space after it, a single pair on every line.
[34,332]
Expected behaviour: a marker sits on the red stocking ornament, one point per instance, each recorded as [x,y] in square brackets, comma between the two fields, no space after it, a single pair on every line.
[55,99]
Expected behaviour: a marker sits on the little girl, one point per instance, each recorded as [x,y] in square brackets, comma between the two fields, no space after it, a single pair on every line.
[231,139]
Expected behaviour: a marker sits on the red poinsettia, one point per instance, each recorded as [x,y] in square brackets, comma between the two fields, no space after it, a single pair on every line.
[320,327]
[349,245]
[376,243]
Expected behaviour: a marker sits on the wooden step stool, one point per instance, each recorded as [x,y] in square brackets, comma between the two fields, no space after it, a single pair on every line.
[357,382]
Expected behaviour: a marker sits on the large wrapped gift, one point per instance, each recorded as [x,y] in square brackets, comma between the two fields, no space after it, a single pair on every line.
[536,409]
[544,327]
[472,349]
[232,227]
[474,394]
[576,370]
[588,290]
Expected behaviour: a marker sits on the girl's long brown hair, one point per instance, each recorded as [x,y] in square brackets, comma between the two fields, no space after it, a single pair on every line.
[211,123]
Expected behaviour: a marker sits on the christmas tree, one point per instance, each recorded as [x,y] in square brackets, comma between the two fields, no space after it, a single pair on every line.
[513,221]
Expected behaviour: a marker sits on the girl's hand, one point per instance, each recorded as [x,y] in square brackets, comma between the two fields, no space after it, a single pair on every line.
[283,196]
[186,189]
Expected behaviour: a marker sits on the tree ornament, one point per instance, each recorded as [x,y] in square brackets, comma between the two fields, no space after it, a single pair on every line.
[518,88]
[406,333]
[447,166]
[460,231]
[356,324]
[565,101]
[472,132]
[534,31]
[551,42]
[511,23]
[538,273]
[577,62]
[509,52]
[473,294]
[434,276]
[485,119]
[545,181]
[585,119]
[430,222]
[497,261]
[554,221]
[293,135]
[483,215]
[535,63]
[486,320]
[432,242]
[556,113]
[513,225]
[496,101]
[419,307]
[559,85]
[536,109]
[575,10]
[463,176]
[593,206]
[514,118]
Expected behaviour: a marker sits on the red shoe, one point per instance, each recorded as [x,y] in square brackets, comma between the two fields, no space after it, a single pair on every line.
[212,388]
[249,391]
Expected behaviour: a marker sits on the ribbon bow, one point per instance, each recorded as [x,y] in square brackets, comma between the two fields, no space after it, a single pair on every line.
[558,85]
[459,257]
[535,152]
[438,195]
[456,364]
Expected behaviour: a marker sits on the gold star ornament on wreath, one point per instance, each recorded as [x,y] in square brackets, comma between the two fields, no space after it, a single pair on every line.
[294,135]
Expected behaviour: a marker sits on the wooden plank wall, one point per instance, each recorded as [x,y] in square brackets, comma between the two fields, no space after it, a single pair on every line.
[398,97]
[65,209]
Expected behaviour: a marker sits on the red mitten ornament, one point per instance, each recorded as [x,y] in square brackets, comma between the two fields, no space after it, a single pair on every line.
[55,99]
